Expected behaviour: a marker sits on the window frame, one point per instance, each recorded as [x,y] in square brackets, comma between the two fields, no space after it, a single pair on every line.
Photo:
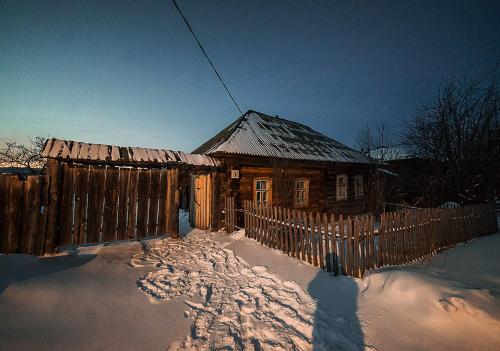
[346,185]
[306,191]
[357,193]
[269,190]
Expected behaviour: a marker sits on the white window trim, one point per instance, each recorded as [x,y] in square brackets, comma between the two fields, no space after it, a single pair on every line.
[359,192]
[269,190]
[306,191]
[346,187]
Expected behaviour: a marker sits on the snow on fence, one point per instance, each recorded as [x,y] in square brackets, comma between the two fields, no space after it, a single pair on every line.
[76,204]
[351,246]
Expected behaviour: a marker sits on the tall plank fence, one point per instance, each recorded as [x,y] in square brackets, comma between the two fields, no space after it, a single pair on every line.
[229,214]
[353,245]
[103,203]
[23,213]
[76,204]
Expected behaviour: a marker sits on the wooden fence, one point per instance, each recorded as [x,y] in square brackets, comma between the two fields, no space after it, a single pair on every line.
[76,204]
[229,215]
[103,203]
[23,213]
[351,246]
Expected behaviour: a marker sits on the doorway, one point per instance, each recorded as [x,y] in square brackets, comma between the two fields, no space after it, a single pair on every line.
[200,204]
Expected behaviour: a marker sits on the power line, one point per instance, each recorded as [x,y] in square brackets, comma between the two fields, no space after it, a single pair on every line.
[206,56]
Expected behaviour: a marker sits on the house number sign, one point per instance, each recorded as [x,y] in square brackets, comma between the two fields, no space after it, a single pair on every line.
[235,174]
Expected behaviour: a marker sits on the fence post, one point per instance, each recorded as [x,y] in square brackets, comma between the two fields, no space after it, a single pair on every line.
[301,236]
[51,240]
[333,239]
[328,251]
[294,248]
[381,243]
[343,270]
[320,241]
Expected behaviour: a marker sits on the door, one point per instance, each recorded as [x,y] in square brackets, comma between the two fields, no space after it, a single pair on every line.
[201,201]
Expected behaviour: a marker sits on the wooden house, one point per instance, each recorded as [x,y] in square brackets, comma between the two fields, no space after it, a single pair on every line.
[266,159]
[276,161]
[412,180]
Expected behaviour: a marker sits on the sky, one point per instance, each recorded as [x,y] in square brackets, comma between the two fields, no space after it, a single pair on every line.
[130,73]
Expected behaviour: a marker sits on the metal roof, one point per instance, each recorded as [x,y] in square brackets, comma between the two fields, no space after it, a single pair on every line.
[100,153]
[257,134]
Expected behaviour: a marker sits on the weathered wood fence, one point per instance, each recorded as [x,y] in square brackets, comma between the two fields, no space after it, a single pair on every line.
[23,213]
[351,246]
[103,203]
[76,204]
[229,214]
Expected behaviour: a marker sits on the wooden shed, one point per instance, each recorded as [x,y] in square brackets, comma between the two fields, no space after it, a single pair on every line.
[107,192]
[276,161]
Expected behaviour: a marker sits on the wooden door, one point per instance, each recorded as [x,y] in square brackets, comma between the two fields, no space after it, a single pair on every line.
[201,201]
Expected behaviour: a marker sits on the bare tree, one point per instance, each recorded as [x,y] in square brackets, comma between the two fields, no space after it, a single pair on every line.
[379,147]
[459,128]
[378,144]
[14,154]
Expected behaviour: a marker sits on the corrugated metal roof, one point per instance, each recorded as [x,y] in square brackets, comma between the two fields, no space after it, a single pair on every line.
[257,134]
[85,152]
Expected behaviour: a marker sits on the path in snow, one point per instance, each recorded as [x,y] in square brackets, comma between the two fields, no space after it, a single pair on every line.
[242,307]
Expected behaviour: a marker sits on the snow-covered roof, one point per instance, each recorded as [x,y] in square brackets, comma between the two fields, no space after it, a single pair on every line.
[389,153]
[386,171]
[85,152]
[257,134]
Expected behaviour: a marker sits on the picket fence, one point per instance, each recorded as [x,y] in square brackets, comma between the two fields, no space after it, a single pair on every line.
[353,245]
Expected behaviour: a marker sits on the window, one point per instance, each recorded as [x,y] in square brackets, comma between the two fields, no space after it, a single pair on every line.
[341,187]
[301,192]
[262,190]
[358,186]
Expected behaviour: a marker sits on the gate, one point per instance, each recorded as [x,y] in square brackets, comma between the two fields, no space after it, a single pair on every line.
[200,206]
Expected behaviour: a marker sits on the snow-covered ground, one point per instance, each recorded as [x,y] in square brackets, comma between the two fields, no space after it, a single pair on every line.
[184,225]
[209,290]
[449,302]
[239,306]
[83,301]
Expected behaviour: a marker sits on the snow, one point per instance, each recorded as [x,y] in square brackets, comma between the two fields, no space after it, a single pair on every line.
[82,301]
[390,153]
[386,171]
[184,225]
[453,299]
[78,151]
[241,307]
[258,134]
[209,290]
[235,302]
[93,152]
[450,204]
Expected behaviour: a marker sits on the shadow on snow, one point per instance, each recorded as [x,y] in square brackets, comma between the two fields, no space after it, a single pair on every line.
[21,267]
[336,323]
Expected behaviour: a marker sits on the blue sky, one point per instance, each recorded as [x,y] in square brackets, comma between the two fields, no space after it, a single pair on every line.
[129,72]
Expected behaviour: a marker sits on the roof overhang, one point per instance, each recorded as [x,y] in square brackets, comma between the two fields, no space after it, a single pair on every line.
[75,151]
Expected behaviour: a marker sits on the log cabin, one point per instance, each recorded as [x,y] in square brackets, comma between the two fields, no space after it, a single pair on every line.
[276,161]
[258,157]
